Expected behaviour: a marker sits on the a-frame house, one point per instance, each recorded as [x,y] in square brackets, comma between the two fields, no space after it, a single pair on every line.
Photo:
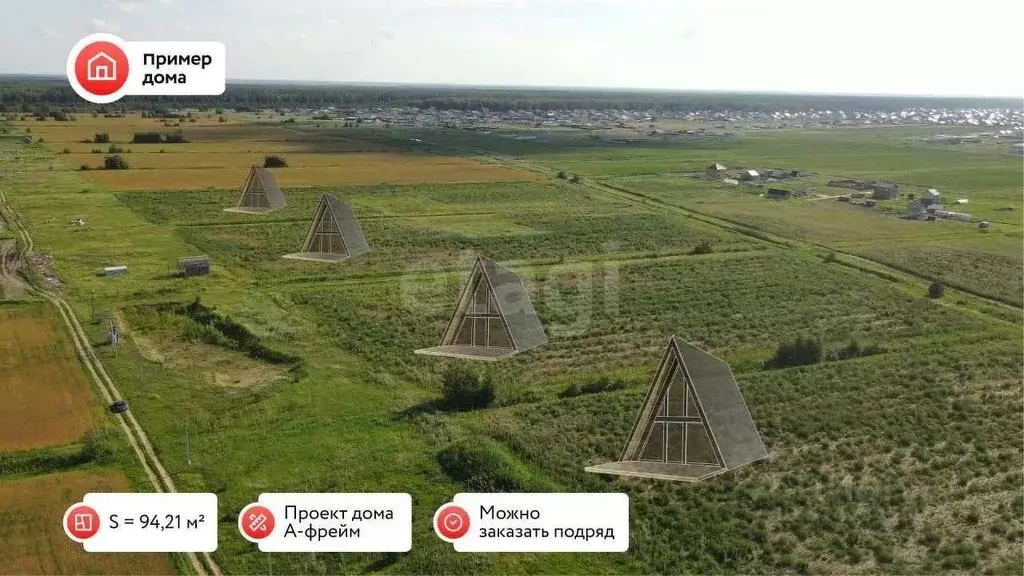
[494,318]
[693,423]
[260,193]
[334,235]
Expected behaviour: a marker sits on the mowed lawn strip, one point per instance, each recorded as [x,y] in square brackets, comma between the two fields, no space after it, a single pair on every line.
[44,397]
[33,538]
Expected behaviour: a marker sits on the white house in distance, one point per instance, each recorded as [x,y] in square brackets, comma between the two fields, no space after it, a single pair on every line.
[101,67]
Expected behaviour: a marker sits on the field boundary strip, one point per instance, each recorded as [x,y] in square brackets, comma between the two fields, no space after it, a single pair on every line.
[738,227]
[129,425]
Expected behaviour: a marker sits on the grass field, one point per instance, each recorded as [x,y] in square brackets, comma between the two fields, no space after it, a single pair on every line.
[903,461]
[313,159]
[34,541]
[46,400]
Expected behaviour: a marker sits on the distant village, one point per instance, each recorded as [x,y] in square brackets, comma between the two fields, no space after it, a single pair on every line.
[927,206]
[1007,123]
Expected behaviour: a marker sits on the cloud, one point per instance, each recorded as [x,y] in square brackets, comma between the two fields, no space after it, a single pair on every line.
[328,21]
[130,6]
[49,32]
[104,26]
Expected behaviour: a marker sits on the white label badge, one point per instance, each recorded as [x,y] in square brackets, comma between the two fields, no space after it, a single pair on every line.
[149,522]
[535,522]
[102,68]
[309,522]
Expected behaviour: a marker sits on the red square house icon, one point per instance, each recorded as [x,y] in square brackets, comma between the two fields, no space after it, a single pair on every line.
[101,67]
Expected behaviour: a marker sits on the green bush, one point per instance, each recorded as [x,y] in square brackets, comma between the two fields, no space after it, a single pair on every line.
[703,247]
[99,445]
[274,162]
[483,465]
[115,162]
[799,352]
[463,390]
[854,350]
[602,384]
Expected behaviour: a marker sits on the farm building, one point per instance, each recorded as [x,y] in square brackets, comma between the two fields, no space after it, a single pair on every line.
[983,224]
[932,196]
[334,235]
[260,193]
[494,318]
[915,211]
[193,266]
[961,216]
[115,270]
[885,191]
[715,170]
[777,194]
[693,423]
[748,175]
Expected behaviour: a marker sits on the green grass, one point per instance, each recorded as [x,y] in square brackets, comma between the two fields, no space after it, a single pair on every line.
[867,458]
[988,263]
[907,461]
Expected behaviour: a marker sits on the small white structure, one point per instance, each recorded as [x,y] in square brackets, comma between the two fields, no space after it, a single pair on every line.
[749,175]
[115,270]
[732,181]
[962,201]
[101,67]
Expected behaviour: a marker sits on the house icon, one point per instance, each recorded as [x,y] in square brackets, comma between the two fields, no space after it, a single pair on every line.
[101,67]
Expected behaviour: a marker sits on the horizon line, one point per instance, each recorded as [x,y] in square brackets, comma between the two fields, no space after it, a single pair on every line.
[386,84]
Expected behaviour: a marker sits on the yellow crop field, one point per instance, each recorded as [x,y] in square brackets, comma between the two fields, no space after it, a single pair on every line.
[261,148]
[352,160]
[33,538]
[44,399]
[411,170]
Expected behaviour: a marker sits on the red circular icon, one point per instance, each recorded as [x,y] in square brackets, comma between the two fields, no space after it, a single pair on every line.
[101,68]
[452,522]
[82,522]
[256,521]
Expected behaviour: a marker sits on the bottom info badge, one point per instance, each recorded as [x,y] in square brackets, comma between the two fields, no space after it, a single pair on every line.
[305,522]
[535,522]
[148,522]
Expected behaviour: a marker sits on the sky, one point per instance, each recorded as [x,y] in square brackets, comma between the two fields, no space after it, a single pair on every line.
[955,48]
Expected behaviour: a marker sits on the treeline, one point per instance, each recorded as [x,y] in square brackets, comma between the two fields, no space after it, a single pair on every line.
[158,138]
[42,94]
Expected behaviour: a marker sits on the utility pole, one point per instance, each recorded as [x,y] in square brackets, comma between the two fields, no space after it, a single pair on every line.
[188,445]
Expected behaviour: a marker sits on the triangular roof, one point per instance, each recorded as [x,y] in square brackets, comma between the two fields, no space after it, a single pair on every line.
[693,423]
[260,181]
[343,219]
[493,319]
[716,166]
[513,303]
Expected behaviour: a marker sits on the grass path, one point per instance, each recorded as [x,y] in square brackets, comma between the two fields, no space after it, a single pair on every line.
[133,431]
